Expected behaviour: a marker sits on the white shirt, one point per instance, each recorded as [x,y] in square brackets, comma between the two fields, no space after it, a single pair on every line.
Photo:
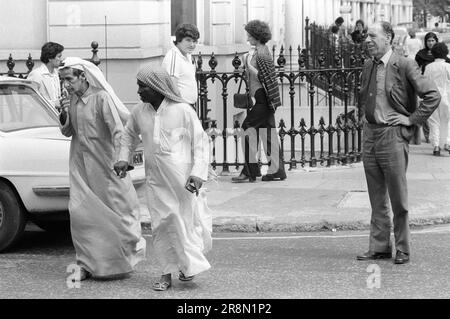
[49,85]
[382,108]
[182,70]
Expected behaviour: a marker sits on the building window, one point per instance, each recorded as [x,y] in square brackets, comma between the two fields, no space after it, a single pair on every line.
[182,11]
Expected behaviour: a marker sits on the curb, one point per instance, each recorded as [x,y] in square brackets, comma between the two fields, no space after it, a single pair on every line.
[255,227]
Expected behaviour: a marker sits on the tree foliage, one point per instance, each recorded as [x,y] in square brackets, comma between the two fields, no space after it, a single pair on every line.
[434,7]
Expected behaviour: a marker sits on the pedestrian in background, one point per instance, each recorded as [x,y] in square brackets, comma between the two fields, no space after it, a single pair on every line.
[176,152]
[335,36]
[259,125]
[412,45]
[388,102]
[439,72]
[178,62]
[339,22]
[423,58]
[360,33]
[47,75]
[104,209]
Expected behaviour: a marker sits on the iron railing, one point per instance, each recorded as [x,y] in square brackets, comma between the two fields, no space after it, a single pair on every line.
[326,73]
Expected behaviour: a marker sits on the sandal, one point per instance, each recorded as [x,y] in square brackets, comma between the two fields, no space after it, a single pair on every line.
[182,277]
[161,286]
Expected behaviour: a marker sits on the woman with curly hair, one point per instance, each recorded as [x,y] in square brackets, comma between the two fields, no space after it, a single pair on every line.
[260,121]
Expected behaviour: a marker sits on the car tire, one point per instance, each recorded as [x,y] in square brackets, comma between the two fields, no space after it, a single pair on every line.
[58,226]
[12,217]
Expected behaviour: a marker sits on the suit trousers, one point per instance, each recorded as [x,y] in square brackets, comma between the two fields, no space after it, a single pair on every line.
[385,159]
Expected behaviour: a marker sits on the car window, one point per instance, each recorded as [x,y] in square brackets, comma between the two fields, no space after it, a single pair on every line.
[21,108]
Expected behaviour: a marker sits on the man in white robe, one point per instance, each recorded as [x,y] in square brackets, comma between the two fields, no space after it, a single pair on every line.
[104,209]
[176,151]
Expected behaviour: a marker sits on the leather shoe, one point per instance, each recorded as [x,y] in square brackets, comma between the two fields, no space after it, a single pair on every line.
[373,256]
[437,151]
[447,148]
[242,178]
[280,175]
[401,257]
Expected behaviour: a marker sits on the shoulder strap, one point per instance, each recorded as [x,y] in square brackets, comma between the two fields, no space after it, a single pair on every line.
[240,82]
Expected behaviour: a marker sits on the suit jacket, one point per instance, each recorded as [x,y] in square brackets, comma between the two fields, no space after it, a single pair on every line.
[404,82]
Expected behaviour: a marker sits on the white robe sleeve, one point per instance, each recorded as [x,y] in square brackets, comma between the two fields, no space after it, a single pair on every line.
[112,121]
[130,138]
[200,146]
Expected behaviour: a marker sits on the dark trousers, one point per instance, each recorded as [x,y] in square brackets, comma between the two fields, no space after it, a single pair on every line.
[385,158]
[260,124]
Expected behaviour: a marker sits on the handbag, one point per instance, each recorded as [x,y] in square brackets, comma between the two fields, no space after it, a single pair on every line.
[242,100]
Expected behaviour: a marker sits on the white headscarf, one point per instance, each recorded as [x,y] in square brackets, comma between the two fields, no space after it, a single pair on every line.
[96,78]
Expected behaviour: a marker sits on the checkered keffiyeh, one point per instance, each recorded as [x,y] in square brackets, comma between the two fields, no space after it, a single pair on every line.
[158,79]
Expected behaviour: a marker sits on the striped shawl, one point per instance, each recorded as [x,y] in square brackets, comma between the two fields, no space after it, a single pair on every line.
[267,76]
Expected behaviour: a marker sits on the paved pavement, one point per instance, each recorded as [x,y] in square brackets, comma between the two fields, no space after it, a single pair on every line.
[335,198]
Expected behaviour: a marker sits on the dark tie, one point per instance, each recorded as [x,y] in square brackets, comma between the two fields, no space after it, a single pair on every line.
[372,93]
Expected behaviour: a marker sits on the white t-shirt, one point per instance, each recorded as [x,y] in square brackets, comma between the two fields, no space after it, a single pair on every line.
[182,70]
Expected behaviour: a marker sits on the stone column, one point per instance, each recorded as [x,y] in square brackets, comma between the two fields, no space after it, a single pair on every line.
[294,22]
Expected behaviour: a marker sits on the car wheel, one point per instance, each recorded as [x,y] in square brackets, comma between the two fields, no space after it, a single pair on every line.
[54,226]
[12,217]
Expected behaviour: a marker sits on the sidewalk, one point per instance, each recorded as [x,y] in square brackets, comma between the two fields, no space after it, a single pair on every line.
[332,198]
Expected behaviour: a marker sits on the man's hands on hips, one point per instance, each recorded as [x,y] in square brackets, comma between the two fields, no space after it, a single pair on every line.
[121,168]
[196,182]
[398,119]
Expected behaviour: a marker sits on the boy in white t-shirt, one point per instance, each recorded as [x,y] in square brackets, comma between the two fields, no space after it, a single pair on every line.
[179,64]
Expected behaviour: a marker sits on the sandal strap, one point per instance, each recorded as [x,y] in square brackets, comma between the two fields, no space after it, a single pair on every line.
[182,276]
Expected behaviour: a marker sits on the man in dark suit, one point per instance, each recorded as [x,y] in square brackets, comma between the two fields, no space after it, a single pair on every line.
[388,103]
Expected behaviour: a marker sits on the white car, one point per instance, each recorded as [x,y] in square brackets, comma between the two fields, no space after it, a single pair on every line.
[34,162]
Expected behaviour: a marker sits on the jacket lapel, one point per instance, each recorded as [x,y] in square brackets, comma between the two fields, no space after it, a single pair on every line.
[392,72]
